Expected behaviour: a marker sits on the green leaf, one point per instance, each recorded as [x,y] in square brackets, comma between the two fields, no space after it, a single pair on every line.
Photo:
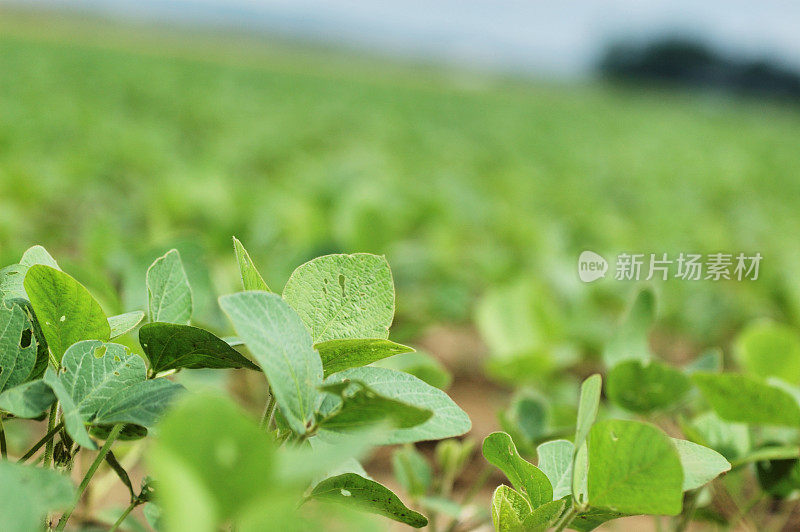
[28,494]
[509,509]
[338,355]
[360,406]
[353,489]
[11,282]
[630,340]
[421,365]
[555,461]
[104,384]
[709,360]
[412,471]
[700,464]
[16,361]
[544,517]
[27,400]
[124,323]
[38,255]
[744,399]
[448,419]
[500,451]
[172,346]
[780,478]
[588,404]
[281,345]
[732,440]
[592,518]
[251,279]
[767,349]
[169,296]
[634,468]
[343,296]
[66,311]
[227,469]
[645,387]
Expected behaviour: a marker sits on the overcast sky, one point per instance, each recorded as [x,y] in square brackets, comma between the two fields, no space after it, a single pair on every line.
[548,38]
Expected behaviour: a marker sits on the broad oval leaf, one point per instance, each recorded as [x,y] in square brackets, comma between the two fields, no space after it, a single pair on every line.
[172,346]
[368,495]
[544,517]
[345,353]
[767,349]
[744,399]
[16,359]
[509,509]
[28,494]
[343,296]
[124,323]
[555,461]
[11,282]
[38,255]
[281,345]
[169,296]
[700,464]
[634,468]
[630,340]
[251,278]
[500,451]
[27,400]
[360,407]
[593,518]
[645,387]
[66,311]
[448,419]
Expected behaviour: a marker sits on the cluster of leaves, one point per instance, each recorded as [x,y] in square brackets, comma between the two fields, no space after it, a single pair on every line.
[734,423]
[327,405]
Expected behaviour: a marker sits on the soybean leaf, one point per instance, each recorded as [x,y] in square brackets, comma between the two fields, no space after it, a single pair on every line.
[281,345]
[744,399]
[634,468]
[629,341]
[27,400]
[412,471]
[169,296]
[588,404]
[509,509]
[645,387]
[28,494]
[343,296]
[592,518]
[767,349]
[780,478]
[123,323]
[227,469]
[104,384]
[38,255]
[360,406]
[16,359]
[700,464]
[353,489]
[580,474]
[555,461]
[732,440]
[66,311]
[500,451]
[421,365]
[251,279]
[544,517]
[345,353]
[173,346]
[448,419]
[11,282]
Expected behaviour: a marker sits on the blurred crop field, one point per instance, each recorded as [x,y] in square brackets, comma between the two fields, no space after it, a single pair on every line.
[118,142]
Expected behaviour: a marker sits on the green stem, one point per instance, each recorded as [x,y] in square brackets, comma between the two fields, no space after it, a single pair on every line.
[51,423]
[47,437]
[89,474]
[134,503]
[269,412]
[565,521]
[3,447]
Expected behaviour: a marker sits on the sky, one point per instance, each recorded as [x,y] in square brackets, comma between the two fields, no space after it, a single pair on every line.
[551,39]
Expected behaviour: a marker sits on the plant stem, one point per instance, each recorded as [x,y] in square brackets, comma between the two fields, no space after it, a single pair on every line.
[46,438]
[51,423]
[3,447]
[134,503]
[269,412]
[565,521]
[89,474]
[689,507]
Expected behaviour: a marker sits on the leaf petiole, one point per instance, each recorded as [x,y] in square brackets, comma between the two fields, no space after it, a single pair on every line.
[566,519]
[46,438]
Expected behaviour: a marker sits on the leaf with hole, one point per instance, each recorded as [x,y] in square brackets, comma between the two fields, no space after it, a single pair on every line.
[66,311]
[17,349]
[172,346]
[343,296]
